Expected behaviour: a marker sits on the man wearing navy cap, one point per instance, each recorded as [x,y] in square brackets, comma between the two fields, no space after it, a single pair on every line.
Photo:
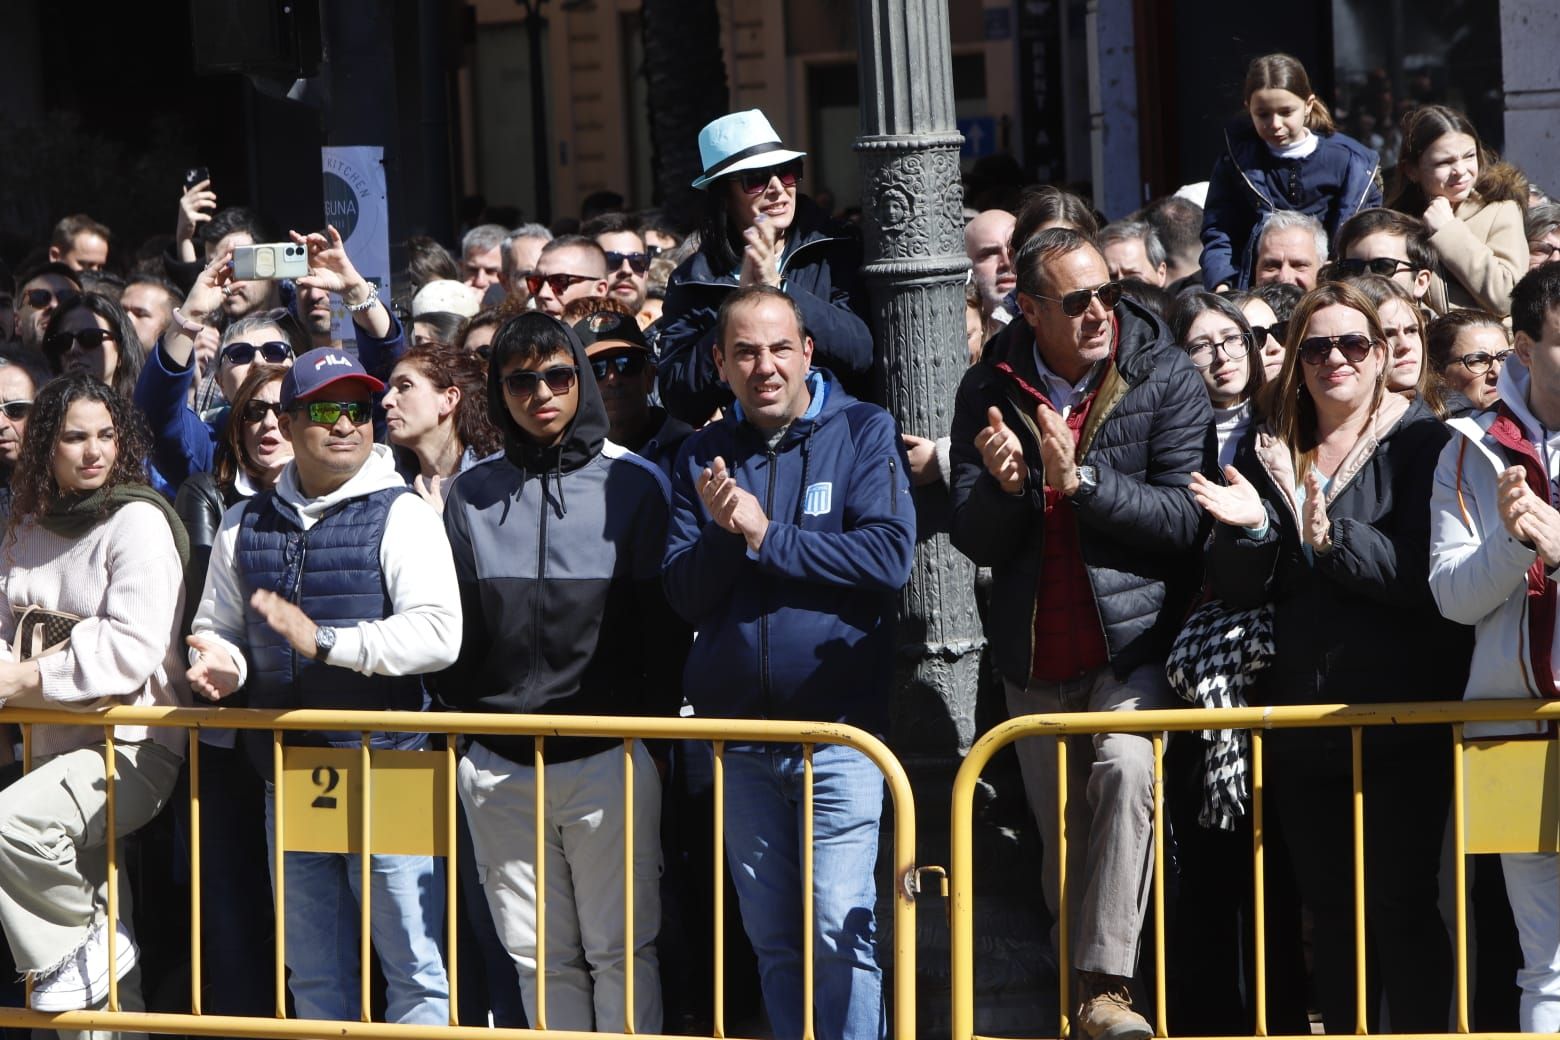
[337,590]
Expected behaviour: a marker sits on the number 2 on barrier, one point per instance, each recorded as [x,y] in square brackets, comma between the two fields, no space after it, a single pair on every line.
[322,799]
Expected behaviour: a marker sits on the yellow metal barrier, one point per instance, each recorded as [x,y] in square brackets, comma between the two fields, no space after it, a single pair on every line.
[357,799]
[1505,798]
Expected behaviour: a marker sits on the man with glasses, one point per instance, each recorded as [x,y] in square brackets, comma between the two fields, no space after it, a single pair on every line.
[1073,444]
[570,267]
[522,248]
[624,368]
[16,396]
[557,545]
[40,292]
[628,261]
[1543,234]
[1385,242]
[367,604]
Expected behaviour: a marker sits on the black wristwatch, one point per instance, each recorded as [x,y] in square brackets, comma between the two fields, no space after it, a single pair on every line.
[324,639]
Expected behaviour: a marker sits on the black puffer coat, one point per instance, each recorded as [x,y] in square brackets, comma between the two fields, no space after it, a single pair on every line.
[1149,428]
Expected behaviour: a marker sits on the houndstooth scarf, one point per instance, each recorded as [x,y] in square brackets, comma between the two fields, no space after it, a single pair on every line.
[1213,662]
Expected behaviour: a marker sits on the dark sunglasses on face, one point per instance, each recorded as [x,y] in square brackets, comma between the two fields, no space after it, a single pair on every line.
[1386,266]
[755,181]
[1479,362]
[1278,330]
[329,413]
[652,251]
[619,364]
[15,410]
[1352,345]
[1077,301]
[256,411]
[90,339]
[273,352]
[560,380]
[639,263]
[38,299]
[559,283]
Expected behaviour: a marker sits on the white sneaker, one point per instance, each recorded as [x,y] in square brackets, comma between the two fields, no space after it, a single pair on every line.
[82,981]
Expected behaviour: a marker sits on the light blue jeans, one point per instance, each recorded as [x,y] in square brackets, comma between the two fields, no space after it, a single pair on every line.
[323,900]
[1533,887]
[764,792]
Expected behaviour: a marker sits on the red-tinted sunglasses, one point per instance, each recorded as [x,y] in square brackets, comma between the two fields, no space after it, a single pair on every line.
[755,181]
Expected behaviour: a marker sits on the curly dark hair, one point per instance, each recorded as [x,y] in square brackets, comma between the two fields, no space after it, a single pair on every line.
[467,372]
[33,486]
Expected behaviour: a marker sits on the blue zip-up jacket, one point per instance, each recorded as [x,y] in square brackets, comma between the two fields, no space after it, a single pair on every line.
[1249,183]
[820,270]
[182,442]
[804,631]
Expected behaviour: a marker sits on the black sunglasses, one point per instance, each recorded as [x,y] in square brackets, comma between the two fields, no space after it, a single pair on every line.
[16,409]
[256,411]
[273,352]
[90,339]
[619,364]
[38,299]
[560,380]
[1278,330]
[329,413]
[639,263]
[1077,301]
[1478,362]
[1386,266]
[1352,345]
[755,181]
[559,283]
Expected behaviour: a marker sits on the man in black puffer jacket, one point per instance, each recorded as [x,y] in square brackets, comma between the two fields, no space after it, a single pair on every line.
[1073,443]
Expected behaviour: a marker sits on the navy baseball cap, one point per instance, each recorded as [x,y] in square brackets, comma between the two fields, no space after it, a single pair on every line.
[325,366]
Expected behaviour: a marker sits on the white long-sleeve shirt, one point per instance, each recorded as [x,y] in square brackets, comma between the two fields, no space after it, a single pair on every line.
[423,631]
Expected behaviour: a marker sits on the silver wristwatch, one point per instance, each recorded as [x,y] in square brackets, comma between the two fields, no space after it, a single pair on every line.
[324,639]
[1088,478]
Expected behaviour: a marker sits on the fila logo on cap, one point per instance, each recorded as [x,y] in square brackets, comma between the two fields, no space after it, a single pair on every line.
[332,359]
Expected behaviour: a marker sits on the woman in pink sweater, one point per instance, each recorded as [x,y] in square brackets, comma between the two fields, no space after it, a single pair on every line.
[92,570]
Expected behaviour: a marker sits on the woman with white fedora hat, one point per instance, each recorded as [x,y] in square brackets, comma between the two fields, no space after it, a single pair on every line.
[758,228]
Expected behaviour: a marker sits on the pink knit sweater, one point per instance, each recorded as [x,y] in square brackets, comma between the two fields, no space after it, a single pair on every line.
[124,579]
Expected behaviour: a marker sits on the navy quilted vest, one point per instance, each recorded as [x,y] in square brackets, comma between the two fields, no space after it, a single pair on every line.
[332,573]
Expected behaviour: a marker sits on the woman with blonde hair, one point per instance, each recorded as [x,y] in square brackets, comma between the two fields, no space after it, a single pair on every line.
[1404,323]
[1326,517]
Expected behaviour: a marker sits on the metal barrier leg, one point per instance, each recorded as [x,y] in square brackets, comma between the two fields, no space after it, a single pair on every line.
[1258,883]
[540,766]
[451,882]
[1159,884]
[807,892]
[109,776]
[1063,924]
[628,885]
[1357,734]
[1460,875]
[720,889]
[195,878]
[366,882]
[279,867]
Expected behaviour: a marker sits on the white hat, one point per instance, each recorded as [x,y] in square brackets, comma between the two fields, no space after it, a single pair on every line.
[444,294]
[740,141]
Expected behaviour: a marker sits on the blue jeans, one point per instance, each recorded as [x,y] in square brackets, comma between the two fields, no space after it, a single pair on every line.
[764,793]
[323,900]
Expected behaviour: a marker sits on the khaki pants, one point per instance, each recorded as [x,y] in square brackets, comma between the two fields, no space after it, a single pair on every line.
[1110,811]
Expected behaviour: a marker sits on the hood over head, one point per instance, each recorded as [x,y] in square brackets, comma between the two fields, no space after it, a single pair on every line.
[586,433]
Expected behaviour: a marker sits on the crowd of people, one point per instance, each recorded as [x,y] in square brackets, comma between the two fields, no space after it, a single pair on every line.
[615,469]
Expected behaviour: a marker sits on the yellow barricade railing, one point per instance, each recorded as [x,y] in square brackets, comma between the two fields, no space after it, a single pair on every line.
[395,802]
[1505,798]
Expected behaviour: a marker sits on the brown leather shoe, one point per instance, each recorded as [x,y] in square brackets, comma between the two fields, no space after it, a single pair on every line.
[1105,1010]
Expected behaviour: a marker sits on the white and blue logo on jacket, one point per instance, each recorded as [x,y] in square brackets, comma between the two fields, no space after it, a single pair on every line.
[818,500]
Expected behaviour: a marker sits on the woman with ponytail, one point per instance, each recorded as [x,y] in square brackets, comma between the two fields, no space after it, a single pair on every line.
[1473,204]
[1282,153]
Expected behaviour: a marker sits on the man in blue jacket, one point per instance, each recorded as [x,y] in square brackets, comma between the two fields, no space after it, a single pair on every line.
[792,532]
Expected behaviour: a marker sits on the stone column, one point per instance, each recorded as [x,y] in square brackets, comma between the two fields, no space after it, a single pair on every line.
[912,201]
[1528,31]
[915,266]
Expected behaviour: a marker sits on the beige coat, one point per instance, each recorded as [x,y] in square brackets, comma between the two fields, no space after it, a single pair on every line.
[1482,254]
